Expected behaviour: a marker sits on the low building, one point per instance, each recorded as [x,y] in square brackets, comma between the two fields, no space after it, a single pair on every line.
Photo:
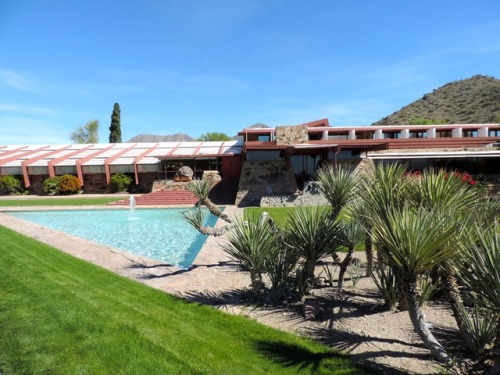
[278,160]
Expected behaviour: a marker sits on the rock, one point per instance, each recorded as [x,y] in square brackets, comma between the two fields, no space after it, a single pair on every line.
[184,174]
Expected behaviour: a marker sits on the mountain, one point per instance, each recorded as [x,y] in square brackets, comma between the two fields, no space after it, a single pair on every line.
[179,137]
[475,100]
[148,138]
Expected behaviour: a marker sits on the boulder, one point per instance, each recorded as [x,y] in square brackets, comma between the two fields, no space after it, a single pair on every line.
[184,174]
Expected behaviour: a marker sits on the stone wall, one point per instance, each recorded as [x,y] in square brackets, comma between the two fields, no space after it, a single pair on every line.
[291,135]
[260,178]
[168,185]
[310,197]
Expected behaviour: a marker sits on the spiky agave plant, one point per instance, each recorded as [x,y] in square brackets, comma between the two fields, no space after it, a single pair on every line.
[202,189]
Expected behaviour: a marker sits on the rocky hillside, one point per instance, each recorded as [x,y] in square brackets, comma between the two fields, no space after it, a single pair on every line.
[475,100]
[148,138]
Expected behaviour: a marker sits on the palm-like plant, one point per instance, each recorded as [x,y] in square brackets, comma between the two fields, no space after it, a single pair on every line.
[339,186]
[414,241]
[197,218]
[313,234]
[202,189]
[384,187]
[479,269]
[449,191]
[251,242]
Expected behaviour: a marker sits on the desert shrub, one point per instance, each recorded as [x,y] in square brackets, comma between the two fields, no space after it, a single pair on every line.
[120,182]
[51,185]
[10,185]
[65,184]
[69,184]
[480,325]
[386,282]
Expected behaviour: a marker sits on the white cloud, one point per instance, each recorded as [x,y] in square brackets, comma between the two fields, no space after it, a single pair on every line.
[12,79]
[24,109]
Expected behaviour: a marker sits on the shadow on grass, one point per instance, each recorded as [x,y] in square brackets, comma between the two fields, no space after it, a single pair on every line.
[289,355]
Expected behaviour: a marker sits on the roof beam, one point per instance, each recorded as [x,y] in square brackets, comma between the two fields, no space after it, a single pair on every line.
[25,163]
[55,161]
[139,158]
[113,158]
[80,162]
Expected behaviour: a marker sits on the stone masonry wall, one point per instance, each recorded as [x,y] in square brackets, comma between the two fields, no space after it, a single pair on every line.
[290,135]
[259,178]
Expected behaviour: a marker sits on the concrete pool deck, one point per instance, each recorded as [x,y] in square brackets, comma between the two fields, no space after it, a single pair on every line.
[213,271]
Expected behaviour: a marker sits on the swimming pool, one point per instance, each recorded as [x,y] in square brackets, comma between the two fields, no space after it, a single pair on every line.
[159,234]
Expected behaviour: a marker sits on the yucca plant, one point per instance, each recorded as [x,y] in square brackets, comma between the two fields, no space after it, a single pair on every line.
[480,325]
[202,189]
[428,287]
[387,284]
[312,233]
[414,241]
[196,218]
[359,213]
[339,186]
[479,271]
[278,266]
[252,242]
[351,234]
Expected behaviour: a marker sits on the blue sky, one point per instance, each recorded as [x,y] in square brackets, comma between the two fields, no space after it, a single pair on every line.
[182,66]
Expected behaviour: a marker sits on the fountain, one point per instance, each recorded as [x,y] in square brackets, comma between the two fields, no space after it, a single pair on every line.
[132,206]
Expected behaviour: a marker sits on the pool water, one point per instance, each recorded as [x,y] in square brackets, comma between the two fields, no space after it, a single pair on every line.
[160,234]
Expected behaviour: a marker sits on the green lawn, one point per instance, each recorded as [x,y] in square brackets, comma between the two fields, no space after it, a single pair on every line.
[61,315]
[279,214]
[80,201]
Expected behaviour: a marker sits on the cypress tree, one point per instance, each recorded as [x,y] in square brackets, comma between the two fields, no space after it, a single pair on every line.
[115,132]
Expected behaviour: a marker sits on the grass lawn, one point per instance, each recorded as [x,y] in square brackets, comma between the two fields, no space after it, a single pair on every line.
[80,201]
[280,215]
[61,315]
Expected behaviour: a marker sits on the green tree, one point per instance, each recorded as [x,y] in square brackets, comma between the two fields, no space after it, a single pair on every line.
[88,133]
[115,131]
[215,136]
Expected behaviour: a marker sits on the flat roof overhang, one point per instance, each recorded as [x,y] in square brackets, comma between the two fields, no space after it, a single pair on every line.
[434,155]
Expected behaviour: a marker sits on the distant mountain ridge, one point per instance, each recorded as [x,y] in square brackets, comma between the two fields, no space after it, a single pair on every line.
[475,100]
[178,137]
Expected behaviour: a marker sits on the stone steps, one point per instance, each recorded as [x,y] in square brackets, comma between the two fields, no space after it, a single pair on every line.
[224,193]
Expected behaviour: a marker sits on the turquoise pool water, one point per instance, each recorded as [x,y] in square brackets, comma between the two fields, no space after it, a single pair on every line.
[159,234]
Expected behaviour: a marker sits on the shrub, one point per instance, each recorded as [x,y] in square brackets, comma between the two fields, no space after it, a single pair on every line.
[65,184]
[51,185]
[10,185]
[69,184]
[120,182]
